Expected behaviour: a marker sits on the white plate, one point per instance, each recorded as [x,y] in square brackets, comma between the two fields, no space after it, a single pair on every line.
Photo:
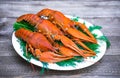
[87,62]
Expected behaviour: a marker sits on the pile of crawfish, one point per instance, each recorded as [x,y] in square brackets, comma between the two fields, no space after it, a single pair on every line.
[52,26]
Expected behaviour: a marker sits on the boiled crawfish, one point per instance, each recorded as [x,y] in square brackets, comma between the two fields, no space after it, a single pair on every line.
[67,25]
[40,46]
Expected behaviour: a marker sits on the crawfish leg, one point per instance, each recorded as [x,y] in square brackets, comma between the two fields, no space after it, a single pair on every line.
[31,49]
[38,53]
[50,38]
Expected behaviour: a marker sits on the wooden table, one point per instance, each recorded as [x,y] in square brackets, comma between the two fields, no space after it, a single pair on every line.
[105,13]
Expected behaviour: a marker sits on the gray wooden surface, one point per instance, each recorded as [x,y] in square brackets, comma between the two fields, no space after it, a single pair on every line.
[105,13]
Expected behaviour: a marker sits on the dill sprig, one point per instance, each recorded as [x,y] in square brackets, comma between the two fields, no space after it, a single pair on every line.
[75,19]
[71,62]
[92,46]
[104,38]
[58,42]
[94,27]
[23,24]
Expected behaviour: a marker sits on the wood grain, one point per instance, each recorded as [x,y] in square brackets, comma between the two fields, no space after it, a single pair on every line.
[80,8]
[105,13]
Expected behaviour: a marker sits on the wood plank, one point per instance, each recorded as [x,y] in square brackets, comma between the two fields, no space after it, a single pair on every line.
[72,76]
[7,1]
[85,10]
[97,3]
[109,65]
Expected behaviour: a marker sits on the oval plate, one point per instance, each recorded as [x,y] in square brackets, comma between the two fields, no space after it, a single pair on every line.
[87,62]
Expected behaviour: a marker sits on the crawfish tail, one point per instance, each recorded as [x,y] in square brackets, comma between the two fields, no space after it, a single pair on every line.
[23,34]
[30,18]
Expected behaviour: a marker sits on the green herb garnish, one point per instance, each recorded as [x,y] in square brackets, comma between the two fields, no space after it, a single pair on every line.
[91,28]
[71,62]
[92,46]
[59,42]
[23,24]
[75,19]
[104,38]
